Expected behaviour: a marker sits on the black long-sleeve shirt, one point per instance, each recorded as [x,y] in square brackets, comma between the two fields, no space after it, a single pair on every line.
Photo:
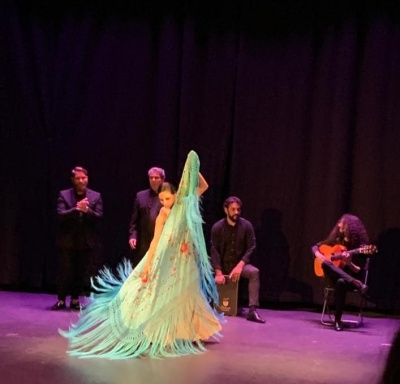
[230,244]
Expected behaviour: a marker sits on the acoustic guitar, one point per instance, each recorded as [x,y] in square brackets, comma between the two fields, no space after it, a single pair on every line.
[335,255]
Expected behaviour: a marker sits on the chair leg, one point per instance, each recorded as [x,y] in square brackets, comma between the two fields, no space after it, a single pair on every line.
[360,317]
[328,319]
[326,316]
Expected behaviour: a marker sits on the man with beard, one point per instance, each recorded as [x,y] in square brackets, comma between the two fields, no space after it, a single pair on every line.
[145,211]
[78,209]
[350,233]
[232,245]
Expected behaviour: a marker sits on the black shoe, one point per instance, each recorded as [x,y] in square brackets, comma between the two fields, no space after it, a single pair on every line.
[254,316]
[76,306]
[59,305]
[338,326]
[362,288]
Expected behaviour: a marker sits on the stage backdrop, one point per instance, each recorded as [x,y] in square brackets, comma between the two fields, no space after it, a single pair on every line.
[292,106]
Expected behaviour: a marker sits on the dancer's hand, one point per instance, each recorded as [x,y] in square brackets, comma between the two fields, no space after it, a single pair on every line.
[144,276]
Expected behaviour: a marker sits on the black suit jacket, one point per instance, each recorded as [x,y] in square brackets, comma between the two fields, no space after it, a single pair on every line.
[75,224]
[145,211]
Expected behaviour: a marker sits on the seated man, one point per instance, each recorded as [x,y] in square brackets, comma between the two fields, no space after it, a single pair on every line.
[349,232]
[232,245]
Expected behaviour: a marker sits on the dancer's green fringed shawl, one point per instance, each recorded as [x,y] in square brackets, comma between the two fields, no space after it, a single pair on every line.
[128,318]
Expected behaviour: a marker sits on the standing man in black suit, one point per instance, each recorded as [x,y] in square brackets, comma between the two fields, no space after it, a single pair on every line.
[78,209]
[145,211]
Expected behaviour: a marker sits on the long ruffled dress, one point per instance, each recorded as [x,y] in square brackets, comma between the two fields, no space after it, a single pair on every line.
[170,314]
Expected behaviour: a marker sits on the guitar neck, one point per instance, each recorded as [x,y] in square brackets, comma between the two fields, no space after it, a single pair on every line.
[340,255]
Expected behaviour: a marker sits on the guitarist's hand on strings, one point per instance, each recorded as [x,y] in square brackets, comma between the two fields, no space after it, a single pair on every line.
[320,256]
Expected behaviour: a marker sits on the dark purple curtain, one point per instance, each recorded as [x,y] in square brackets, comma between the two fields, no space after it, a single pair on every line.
[292,106]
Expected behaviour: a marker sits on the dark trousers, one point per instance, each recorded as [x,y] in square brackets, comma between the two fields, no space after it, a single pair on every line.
[252,273]
[341,282]
[73,264]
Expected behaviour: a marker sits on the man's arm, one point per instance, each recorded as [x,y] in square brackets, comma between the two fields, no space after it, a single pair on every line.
[65,212]
[215,248]
[133,225]
[315,251]
[250,243]
[202,185]
[96,210]
[347,259]
[216,238]
[160,222]
[94,206]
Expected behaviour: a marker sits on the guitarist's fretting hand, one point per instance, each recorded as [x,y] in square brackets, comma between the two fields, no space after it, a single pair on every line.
[346,257]
[347,261]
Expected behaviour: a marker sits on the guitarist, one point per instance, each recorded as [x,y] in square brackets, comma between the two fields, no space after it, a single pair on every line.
[351,233]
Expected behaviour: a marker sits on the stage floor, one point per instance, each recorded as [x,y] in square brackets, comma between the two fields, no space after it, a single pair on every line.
[292,347]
